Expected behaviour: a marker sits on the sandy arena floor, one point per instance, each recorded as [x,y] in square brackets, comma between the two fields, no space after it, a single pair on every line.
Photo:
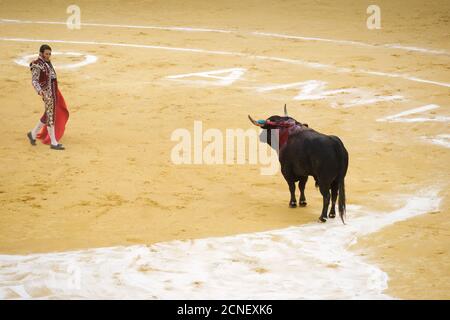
[116,185]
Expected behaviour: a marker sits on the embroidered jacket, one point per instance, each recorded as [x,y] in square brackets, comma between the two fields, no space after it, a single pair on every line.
[41,74]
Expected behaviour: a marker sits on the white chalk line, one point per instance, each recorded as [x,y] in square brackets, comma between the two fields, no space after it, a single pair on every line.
[263,34]
[354,43]
[403,76]
[228,77]
[311,261]
[308,64]
[108,25]
[400,117]
[442,140]
[88,59]
[317,90]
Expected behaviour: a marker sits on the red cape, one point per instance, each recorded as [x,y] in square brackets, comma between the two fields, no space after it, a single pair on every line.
[61,117]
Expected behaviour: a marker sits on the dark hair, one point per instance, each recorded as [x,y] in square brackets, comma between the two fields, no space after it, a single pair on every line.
[44,47]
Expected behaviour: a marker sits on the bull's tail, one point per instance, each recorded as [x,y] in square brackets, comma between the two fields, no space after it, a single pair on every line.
[343,157]
[341,200]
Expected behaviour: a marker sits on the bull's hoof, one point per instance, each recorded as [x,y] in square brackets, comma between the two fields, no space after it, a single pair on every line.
[292,204]
[332,215]
[303,203]
[322,220]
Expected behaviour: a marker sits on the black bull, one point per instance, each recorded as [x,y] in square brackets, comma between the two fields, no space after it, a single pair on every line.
[305,152]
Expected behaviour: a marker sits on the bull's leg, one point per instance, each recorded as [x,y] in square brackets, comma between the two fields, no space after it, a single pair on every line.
[334,194]
[301,185]
[293,201]
[325,191]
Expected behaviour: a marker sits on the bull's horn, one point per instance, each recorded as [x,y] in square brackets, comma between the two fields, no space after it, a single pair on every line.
[285,111]
[256,123]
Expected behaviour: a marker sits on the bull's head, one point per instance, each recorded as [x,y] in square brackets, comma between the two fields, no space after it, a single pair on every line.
[275,122]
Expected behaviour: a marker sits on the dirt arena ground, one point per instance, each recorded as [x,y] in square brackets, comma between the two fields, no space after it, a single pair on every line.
[115,183]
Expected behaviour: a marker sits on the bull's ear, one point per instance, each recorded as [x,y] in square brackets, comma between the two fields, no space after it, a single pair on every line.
[285,111]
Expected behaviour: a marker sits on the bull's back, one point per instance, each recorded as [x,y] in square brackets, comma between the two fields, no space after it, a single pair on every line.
[313,153]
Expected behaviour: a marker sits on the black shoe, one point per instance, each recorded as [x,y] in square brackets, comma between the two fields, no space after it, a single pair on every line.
[30,137]
[59,146]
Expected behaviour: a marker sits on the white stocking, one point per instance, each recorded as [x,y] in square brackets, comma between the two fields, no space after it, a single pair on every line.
[36,130]
[51,133]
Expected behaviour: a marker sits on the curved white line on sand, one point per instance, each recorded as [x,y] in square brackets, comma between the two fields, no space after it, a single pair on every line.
[264,34]
[88,59]
[238,54]
[307,262]
[109,25]
[353,43]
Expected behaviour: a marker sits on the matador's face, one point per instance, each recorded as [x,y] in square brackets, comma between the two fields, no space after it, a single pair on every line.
[46,55]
